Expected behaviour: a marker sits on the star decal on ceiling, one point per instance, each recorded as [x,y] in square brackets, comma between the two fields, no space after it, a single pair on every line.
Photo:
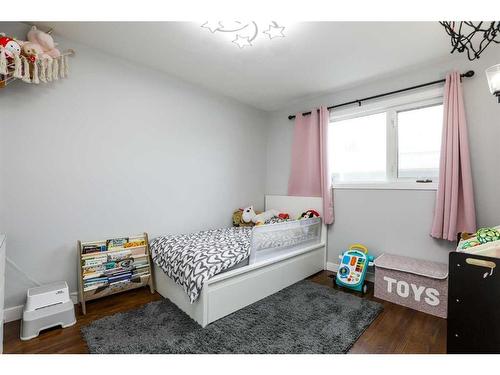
[245,32]
[275,31]
[212,26]
[242,41]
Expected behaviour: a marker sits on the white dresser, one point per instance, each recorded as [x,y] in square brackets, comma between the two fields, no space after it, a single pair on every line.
[2,286]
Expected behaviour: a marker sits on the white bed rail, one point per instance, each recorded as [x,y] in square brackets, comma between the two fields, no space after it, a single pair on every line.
[276,239]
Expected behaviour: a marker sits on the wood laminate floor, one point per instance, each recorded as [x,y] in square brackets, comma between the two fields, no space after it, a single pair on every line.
[396,330]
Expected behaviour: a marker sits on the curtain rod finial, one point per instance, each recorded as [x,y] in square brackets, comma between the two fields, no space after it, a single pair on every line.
[469,73]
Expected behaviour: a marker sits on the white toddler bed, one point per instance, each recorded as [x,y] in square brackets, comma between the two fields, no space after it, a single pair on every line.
[275,262]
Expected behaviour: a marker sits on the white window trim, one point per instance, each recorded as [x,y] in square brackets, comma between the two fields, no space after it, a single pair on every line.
[385,185]
[392,106]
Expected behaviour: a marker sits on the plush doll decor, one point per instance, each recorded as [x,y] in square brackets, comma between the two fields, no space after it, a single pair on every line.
[33,53]
[33,61]
[10,51]
[45,41]
[11,47]
[249,215]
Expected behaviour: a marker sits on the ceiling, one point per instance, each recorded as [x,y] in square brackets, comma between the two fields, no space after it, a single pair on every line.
[313,58]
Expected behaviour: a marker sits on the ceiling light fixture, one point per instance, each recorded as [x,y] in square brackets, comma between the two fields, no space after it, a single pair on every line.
[493,76]
[472,37]
[244,32]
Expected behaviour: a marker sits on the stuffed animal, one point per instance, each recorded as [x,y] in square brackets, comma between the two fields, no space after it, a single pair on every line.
[33,51]
[45,41]
[249,215]
[309,214]
[238,221]
[10,51]
[11,47]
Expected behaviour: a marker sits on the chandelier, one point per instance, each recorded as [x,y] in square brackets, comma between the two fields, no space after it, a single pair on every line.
[472,37]
[244,33]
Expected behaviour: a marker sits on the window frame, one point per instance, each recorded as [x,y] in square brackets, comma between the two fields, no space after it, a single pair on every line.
[392,106]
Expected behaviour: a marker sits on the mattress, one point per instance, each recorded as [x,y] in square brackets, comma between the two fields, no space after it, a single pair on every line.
[192,259]
[243,263]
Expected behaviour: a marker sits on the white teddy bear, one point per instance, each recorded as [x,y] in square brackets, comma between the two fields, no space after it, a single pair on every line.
[249,215]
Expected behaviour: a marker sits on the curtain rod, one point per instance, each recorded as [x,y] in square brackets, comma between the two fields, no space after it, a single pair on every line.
[469,73]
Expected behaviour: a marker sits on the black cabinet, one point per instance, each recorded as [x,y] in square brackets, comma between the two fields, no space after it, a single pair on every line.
[473,304]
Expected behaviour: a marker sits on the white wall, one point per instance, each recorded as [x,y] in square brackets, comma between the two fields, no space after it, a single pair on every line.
[117,149]
[392,221]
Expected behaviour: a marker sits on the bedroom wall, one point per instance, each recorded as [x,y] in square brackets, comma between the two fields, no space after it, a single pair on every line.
[398,221]
[117,149]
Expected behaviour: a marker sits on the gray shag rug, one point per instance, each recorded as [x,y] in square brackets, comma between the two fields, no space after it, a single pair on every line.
[303,318]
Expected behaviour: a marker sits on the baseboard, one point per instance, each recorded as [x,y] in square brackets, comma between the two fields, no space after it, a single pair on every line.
[16,312]
[330,266]
[13,313]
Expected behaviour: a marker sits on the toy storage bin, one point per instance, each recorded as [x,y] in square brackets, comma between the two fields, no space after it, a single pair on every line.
[418,284]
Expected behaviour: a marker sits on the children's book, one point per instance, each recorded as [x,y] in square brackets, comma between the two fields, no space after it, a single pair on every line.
[88,249]
[116,242]
[119,255]
[97,261]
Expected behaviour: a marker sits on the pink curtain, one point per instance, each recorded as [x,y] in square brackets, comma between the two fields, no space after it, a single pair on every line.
[309,173]
[454,211]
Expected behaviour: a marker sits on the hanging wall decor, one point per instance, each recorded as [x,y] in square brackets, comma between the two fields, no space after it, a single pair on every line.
[472,37]
[244,33]
[35,60]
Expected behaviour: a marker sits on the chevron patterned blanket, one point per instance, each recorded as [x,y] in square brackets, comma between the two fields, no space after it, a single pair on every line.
[191,259]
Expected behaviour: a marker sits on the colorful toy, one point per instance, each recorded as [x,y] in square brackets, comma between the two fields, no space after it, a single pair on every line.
[309,214]
[469,244]
[485,235]
[353,267]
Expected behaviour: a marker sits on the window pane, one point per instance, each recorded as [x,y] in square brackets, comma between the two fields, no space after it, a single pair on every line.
[357,149]
[419,142]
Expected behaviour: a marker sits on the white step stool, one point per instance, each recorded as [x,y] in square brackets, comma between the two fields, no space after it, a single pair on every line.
[47,306]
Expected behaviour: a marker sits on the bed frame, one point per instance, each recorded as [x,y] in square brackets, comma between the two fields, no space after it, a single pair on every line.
[228,292]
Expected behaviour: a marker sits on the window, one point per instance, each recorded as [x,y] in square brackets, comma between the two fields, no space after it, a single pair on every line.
[395,144]
[419,142]
[357,148]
